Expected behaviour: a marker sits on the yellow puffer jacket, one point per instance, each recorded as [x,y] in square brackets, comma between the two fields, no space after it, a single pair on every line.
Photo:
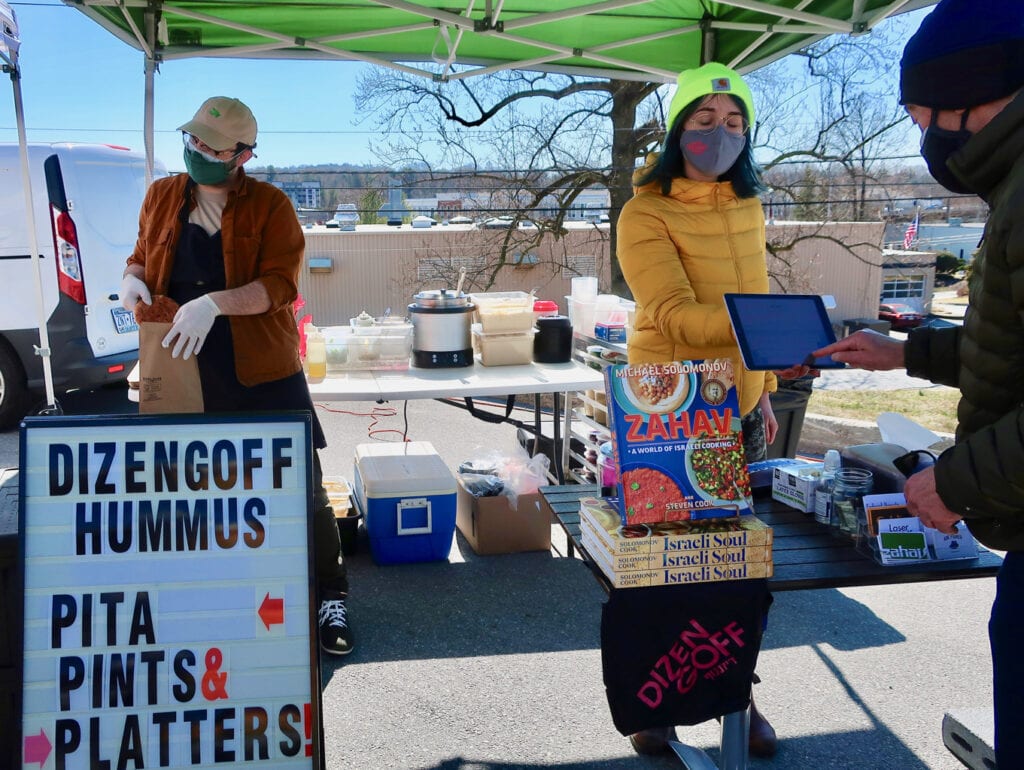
[679,254]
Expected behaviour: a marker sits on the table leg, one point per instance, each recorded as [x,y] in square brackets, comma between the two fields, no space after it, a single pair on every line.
[692,759]
[556,447]
[537,427]
[733,744]
[735,741]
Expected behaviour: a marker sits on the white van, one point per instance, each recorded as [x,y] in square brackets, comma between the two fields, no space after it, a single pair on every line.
[87,200]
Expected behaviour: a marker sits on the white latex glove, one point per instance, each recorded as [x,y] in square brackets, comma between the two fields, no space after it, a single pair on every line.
[132,290]
[192,323]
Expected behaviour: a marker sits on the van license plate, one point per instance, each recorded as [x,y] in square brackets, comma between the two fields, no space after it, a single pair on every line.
[124,320]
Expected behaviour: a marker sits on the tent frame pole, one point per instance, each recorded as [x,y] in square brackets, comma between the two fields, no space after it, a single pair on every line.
[147,105]
[43,348]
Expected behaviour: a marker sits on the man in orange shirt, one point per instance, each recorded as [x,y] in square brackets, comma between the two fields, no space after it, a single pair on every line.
[228,249]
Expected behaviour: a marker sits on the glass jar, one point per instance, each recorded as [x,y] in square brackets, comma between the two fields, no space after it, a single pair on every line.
[848,490]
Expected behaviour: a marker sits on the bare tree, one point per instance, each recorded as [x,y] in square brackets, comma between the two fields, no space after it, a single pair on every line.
[528,143]
[829,116]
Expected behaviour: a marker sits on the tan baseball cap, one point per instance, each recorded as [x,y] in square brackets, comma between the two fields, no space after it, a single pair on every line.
[223,122]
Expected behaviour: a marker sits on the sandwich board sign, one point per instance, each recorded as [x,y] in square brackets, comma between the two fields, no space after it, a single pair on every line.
[168,593]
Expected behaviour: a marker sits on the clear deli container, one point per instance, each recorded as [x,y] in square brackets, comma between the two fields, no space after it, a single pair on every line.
[379,347]
[339,495]
[503,311]
[581,314]
[504,349]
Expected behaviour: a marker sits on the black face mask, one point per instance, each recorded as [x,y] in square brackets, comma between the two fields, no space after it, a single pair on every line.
[937,145]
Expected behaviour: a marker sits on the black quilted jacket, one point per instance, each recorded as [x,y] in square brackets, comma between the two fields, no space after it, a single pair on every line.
[982,476]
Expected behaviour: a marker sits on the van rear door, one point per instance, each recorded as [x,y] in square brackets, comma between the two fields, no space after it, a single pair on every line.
[95,196]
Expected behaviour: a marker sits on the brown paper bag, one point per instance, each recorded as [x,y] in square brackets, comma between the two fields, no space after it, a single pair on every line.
[166,384]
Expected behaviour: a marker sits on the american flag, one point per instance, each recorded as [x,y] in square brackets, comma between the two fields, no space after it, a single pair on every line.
[911,234]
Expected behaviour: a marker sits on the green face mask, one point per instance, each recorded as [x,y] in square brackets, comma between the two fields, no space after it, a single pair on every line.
[206,170]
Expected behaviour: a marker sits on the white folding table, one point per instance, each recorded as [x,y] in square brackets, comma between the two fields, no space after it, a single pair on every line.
[467,383]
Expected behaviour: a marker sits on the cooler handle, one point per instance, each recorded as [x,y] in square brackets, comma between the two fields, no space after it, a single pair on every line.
[418,503]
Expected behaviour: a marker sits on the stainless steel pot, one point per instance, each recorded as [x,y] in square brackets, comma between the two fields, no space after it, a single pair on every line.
[441,322]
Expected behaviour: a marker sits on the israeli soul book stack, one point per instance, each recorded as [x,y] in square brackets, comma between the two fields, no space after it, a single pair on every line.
[684,512]
[674,552]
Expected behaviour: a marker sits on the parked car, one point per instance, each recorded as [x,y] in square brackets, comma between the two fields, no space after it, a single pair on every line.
[87,201]
[346,217]
[496,223]
[900,316]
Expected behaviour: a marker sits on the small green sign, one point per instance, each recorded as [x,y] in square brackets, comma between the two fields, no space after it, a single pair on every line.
[899,547]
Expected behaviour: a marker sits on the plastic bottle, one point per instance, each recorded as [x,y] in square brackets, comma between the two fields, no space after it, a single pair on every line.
[316,354]
[823,494]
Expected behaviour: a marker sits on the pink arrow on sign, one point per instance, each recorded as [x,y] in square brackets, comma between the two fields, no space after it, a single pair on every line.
[37,748]
[271,611]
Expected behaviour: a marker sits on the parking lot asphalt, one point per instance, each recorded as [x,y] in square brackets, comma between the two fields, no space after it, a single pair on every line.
[489,663]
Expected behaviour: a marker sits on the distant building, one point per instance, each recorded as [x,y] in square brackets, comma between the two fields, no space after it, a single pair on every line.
[590,204]
[955,236]
[378,267]
[908,277]
[303,195]
[439,206]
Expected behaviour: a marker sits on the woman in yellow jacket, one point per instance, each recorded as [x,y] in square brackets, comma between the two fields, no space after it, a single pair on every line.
[693,232]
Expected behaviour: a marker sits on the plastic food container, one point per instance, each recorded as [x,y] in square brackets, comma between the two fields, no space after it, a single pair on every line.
[507,349]
[381,346]
[581,314]
[553,343]
[607,465]
[503,311]
[338,494]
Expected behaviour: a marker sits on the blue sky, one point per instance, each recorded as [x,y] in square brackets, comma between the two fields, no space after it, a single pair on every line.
[80,83]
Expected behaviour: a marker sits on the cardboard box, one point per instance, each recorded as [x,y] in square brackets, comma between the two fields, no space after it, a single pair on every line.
[795,485]
[491,526]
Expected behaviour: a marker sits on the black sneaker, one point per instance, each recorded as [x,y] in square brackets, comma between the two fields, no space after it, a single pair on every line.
[335,635]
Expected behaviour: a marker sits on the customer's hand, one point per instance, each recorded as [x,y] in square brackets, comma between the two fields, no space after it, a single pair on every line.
[771,424]
[924,502]
[192,323]
[796,372]
[866,349]
[132,290]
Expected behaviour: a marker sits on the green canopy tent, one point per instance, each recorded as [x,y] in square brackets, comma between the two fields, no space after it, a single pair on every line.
[648,40]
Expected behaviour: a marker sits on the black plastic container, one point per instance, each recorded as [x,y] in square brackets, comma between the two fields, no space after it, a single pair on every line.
[552,344]
[348,530]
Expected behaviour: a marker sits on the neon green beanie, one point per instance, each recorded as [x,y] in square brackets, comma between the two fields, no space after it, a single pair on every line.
[711,78]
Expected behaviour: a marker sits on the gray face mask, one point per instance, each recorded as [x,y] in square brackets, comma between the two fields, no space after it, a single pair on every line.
[712,153]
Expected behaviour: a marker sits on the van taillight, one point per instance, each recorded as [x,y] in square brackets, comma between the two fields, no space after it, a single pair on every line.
[69,263]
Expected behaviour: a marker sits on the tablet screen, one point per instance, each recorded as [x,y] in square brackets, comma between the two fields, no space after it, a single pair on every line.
[777,331]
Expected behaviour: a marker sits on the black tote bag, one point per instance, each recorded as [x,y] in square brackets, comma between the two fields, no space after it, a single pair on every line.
[680,655]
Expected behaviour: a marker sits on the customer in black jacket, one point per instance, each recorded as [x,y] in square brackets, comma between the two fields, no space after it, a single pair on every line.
[961,80]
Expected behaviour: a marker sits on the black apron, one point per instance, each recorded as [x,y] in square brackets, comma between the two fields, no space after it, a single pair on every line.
[199,269]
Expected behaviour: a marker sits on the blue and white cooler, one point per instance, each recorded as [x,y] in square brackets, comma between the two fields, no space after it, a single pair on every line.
[407,495]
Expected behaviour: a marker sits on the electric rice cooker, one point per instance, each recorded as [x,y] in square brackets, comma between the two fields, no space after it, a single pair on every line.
[441,321]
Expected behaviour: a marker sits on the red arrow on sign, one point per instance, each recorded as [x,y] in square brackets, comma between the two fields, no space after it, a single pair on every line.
[271,611]
[37,748]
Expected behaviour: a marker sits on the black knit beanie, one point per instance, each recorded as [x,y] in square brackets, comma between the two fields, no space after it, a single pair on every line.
[966,52]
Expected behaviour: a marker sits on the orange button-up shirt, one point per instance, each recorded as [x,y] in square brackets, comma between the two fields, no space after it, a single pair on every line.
[262,241]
